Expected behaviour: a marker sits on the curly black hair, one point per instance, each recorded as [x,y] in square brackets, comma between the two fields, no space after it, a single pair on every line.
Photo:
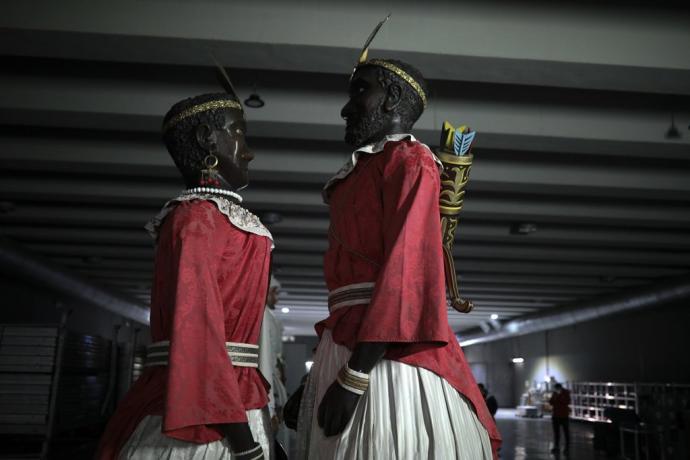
[180,139]
[412,105]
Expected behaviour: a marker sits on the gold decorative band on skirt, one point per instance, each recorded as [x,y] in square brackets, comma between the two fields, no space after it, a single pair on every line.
[240,354]
[351,294]
[450,210]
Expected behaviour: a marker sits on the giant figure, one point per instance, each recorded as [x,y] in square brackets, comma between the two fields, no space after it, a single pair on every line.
[201,394]
[389,380]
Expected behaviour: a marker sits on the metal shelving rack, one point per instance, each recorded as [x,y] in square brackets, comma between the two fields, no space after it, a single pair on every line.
[589,399]
[654,402]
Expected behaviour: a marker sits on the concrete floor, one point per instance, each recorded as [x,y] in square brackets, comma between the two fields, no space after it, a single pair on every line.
[532,438]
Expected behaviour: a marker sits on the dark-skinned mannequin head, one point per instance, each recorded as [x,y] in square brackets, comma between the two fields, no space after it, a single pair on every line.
[381,103]
[194,137]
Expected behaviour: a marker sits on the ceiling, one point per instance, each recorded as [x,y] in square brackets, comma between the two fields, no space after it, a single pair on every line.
[571,104]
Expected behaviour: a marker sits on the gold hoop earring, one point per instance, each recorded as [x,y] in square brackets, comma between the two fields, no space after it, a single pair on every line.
[209,175]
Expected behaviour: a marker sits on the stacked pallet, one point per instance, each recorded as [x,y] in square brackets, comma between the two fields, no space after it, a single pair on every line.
[27,365]
[27,372]
[53,388]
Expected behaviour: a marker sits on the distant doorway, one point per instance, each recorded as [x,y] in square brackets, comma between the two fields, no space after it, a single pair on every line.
[479,371]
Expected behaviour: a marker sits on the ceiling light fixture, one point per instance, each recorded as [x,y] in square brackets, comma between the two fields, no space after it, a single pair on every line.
[523,228]
[254,100]
[672,132]
[285,310]
[518,360]
[494,316]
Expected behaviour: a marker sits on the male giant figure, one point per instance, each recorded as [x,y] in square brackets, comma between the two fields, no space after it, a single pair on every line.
[389,380]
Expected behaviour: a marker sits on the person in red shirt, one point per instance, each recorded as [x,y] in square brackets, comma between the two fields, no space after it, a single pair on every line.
[560,403]
[201,394]
[389,379]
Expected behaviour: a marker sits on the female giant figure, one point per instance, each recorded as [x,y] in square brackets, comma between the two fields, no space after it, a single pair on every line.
[201,395]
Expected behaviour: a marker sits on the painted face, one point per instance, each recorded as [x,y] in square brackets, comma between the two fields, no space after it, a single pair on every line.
[233,153]
[363,113]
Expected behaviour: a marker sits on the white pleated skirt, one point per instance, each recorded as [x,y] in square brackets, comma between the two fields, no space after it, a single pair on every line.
[149,443]
[407,413]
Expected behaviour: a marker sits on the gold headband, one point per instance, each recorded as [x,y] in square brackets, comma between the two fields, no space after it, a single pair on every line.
[400,73]
[196,109]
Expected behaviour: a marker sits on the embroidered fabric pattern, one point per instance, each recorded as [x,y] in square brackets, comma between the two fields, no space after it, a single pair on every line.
[236,214]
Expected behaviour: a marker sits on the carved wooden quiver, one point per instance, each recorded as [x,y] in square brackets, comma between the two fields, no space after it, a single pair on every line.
[456,173]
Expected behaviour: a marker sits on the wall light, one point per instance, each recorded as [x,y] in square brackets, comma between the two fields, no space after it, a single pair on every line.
[308,365]
[523,228]
[285,310]
[518,360]
[494,316]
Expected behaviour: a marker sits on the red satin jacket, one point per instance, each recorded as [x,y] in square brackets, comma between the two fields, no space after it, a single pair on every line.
[385,228]
[209,287]
[560,402]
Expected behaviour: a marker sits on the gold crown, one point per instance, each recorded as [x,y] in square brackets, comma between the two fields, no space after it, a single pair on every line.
[362,61]
[400,73]
[199,108]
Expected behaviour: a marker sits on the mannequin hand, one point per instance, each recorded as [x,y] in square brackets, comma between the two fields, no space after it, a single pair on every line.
[336,409]
[239,436]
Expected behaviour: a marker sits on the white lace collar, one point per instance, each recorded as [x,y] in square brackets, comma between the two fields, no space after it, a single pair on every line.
[236,214]
[371,149]
[377,147]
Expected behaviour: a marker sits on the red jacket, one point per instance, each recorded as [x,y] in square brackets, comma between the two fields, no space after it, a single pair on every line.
[386,229]
[560,403]
[209,283]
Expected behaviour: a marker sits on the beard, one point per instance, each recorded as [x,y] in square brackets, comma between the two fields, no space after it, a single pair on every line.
[362,129]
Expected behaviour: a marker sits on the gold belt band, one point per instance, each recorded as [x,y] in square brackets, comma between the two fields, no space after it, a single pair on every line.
[240,354]
[351,294]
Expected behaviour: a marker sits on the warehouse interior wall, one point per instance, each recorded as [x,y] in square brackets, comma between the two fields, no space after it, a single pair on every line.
[23,302]
[640,346]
